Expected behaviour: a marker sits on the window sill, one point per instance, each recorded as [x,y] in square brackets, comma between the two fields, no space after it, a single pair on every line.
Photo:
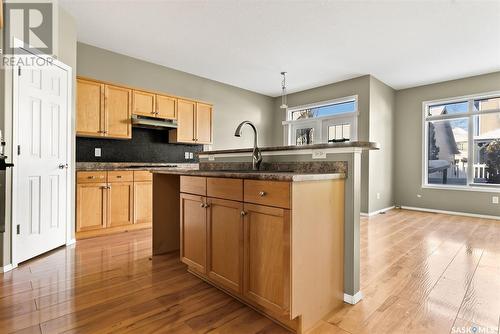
[475,188]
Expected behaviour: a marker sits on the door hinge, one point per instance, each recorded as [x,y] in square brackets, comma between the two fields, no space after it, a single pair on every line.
[18,229]
[19,71]
[18,149]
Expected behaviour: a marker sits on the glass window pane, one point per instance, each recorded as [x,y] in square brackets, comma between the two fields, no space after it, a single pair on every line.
[487,148]
[346,130]
[339,132]
[329,110]
[447,152]
[448,108]
[487,104]
[304,136]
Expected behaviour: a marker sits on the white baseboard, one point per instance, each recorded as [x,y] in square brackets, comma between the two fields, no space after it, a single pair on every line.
[6,268]
[71,242]
[364,214]
[456,213]
[353,299]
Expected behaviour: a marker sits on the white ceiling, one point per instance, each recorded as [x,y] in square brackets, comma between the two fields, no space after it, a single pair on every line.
[247,43]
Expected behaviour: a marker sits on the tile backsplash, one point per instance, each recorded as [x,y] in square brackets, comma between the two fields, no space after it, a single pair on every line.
[146,145]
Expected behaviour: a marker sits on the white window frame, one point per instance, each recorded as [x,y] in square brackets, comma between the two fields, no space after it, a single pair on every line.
[470,186]
[289,126]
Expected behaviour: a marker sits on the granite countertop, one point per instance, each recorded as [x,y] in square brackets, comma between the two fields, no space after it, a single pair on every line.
[254,175]
[365,145]
[91,166]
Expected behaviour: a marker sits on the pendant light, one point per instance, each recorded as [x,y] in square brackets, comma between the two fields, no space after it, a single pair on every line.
[284,104]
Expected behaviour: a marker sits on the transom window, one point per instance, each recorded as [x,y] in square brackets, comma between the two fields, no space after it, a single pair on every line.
[322,122]
[462,142]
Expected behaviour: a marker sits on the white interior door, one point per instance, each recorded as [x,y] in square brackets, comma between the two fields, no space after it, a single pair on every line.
[41,171]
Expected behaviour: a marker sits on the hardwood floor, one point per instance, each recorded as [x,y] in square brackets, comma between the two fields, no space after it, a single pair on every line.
[420,272]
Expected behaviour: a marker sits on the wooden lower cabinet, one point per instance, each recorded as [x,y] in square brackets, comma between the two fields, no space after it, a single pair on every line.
[143,202]
[225,243]
[194,231]
[110,202]
[267,257]
[120,204]
[91,206]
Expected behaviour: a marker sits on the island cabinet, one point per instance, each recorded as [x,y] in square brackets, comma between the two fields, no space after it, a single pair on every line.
[255,239]
[112,201]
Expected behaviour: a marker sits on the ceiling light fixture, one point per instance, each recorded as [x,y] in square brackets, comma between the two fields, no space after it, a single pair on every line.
[283,92]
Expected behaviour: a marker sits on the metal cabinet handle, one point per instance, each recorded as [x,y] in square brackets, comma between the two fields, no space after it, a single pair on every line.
[262,193]
[202,205]
[243,213]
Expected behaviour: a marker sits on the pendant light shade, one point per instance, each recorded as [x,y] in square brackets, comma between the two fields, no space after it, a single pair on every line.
[284,104]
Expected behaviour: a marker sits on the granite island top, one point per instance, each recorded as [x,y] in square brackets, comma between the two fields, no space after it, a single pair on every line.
[104,166]
[254,175]
[365,145]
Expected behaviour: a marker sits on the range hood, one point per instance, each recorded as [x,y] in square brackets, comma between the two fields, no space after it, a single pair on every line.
[153,123]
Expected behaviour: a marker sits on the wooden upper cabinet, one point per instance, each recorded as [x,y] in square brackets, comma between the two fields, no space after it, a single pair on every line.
[203,123]
[186,111]
[225,243]
[117,111]
[90,100]
[166,107]
[91,206]
[267,257]
[143,103]
[194,232]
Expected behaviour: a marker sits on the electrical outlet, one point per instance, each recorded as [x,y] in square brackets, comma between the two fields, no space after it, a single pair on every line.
[378,195]
[211,157]
[494,199]
[191,155]
[97,152]
[419,196]
[186,155]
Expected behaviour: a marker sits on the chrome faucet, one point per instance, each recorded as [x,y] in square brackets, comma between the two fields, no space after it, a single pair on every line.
[256,155]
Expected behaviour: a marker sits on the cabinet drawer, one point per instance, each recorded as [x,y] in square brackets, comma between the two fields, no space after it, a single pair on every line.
[120,176]
[271,193]
[91,177]
[142,175]
[194,185]
[225,188]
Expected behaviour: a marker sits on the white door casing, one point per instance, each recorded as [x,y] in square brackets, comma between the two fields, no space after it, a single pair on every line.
[41,189]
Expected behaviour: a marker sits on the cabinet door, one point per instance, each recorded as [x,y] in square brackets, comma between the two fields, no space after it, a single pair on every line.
[89,116]
[121,204]
[185,121]
[267,257]
[225,243]
[143,103]
[143,202]
[117,111]
[203,123]
[91,206]
[194,232]
[166,107]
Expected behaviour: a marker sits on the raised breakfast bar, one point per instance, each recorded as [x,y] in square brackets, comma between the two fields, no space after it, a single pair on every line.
[257,235]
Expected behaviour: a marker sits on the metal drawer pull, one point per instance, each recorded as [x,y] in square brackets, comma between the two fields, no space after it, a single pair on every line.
[118,176]
[262,193]
[243,213]
[91,177]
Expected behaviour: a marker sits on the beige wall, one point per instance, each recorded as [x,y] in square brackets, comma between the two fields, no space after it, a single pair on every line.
[358,86]
[408,148]
[232,105]
[381,130]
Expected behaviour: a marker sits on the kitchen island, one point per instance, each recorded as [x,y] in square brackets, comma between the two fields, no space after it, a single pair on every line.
[273,240]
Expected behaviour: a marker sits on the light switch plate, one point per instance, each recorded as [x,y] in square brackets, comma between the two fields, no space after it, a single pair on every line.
[186,155]
[494,199]
[97,151]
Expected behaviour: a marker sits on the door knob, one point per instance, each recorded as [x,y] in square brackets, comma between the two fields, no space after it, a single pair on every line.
[63,166]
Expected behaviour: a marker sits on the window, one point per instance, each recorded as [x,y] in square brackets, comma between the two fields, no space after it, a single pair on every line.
[322,122]
[462,142]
